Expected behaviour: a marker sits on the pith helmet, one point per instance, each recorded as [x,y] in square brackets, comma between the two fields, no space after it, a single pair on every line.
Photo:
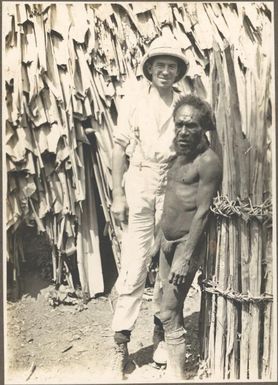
[165,47]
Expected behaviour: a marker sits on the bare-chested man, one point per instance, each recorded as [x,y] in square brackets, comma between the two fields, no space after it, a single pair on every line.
[193,180]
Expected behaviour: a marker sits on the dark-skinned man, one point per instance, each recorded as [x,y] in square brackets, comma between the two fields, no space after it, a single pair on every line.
[192,182]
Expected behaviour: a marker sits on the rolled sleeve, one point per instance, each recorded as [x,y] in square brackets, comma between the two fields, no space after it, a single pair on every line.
[121,137]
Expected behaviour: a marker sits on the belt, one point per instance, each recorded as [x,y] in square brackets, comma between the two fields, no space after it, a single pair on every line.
[154,165]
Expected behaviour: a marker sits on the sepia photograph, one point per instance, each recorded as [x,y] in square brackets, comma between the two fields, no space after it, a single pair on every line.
[139,192]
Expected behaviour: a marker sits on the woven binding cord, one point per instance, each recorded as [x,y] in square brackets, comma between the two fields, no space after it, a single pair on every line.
[211,287]
[242,208]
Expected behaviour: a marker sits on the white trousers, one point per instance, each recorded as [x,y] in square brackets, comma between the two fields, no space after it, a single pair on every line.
[145,188]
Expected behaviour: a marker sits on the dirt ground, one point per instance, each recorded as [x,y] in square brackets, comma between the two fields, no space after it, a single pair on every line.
[73,343]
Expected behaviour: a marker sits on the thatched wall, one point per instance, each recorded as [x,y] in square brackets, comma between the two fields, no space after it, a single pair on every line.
[66,66]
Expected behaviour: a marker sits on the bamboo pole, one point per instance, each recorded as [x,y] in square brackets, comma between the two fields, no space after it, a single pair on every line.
[245,246]
[255,286]
[258,136]
[239,188]
[221,329]
[54,263]
[267,319]
[60,228]
[211,336]
[245,316]
[208,272]
[232,371]
[80,252]
[205,311]
[224,336]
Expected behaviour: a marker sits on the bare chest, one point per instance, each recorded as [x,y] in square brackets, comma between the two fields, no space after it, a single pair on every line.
[183,174]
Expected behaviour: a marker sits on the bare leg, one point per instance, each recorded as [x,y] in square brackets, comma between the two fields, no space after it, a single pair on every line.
[176,359]
[171,315]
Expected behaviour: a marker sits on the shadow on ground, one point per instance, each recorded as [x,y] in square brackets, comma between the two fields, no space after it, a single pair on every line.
[29,284]
[144,356]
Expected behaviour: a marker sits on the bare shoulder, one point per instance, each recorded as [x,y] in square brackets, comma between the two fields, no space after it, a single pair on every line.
[209,156]
[209,164]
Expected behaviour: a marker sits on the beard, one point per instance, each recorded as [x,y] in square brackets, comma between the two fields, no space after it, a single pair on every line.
[192,146]
[183,148]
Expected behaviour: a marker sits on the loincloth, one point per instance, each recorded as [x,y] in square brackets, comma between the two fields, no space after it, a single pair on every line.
[169,246]
[177,247]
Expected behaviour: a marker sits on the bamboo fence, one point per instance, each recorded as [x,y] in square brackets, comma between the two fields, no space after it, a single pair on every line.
[238,289]
[63,84]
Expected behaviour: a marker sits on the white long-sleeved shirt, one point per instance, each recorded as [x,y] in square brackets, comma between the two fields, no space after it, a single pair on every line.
[145,126]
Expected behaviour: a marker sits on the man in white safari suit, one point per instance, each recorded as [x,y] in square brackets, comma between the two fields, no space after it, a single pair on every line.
[144,138]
